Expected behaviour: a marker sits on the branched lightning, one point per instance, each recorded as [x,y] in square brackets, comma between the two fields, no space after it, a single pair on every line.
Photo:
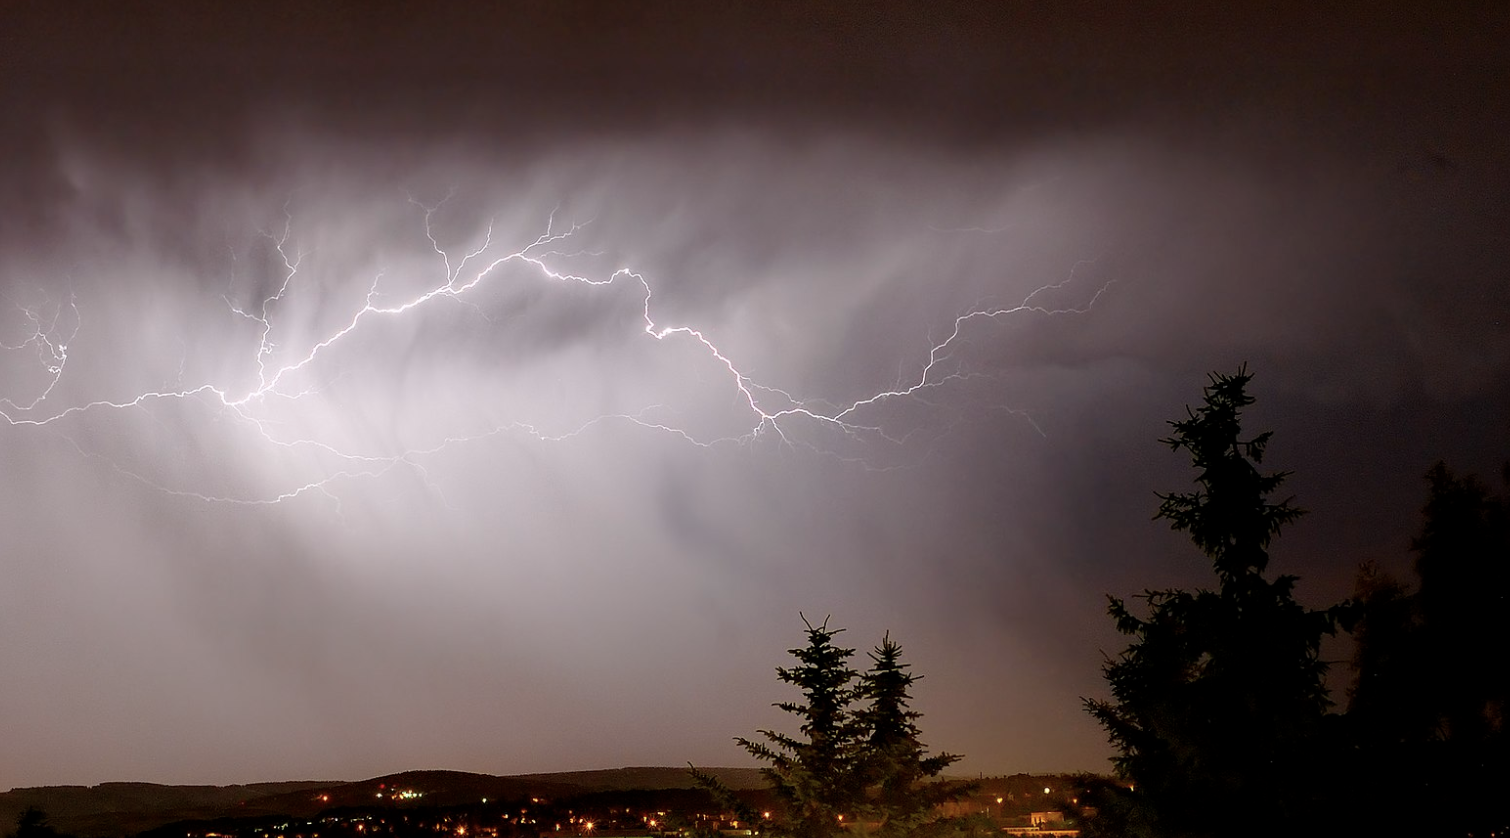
[47,329]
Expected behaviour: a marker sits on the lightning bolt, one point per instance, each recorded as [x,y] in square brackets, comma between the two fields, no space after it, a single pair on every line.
[43,331]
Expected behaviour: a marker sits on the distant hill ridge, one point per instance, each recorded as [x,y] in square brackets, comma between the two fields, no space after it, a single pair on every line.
[126,808]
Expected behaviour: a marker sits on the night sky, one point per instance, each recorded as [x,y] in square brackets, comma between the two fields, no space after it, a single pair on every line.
[490,388]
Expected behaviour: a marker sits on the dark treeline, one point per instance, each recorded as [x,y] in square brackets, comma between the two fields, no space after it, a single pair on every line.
[1219,712]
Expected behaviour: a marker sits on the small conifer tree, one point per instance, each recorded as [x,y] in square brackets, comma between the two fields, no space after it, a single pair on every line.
[857,759]
[904,790]
[816,776]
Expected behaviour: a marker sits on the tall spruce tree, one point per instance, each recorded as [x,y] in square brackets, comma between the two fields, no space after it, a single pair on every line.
[1218,705]
[817,776]
[902,782]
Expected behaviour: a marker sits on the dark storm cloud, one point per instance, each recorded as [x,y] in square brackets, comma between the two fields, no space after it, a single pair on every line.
[823,194]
